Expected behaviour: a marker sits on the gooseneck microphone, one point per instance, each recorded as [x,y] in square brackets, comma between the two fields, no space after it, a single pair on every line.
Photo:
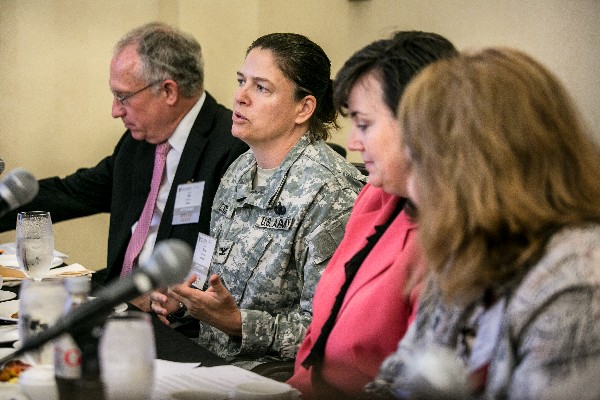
[170,262]
[17,189]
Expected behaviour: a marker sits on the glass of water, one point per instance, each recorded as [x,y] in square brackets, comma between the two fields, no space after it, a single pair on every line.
[35,243]
[127,353]
[41,304]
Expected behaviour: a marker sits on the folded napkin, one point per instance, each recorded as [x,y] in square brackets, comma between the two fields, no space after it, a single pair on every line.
[70,270]
[9,272]
[13,274]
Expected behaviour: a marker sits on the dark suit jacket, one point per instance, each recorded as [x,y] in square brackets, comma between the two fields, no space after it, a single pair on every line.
[120,183]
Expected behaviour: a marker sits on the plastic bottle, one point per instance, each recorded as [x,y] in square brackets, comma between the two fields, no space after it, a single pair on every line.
[67,355]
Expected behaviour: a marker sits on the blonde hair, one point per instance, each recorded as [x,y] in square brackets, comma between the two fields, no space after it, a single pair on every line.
[501,160]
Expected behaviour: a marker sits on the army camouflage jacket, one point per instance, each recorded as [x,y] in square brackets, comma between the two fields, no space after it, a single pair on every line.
[273,244]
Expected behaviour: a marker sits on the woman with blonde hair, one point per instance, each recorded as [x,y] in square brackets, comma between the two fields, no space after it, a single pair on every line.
[505,177]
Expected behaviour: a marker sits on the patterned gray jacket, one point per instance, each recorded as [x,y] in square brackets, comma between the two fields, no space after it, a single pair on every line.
[541,340]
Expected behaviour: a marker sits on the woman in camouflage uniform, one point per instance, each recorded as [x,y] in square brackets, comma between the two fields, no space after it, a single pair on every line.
[280,211]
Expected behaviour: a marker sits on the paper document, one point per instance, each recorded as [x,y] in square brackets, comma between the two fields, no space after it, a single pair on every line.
[172,376]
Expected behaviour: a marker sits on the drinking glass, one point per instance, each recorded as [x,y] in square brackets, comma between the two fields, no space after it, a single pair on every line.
[41,304]
[35,243]
[127,353]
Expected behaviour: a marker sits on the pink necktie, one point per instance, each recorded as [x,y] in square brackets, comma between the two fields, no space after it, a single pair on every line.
[141,230]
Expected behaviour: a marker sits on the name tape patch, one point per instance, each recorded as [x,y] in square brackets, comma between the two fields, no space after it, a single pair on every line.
[283,223]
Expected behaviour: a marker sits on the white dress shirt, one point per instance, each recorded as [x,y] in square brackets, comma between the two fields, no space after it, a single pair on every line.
[177,142]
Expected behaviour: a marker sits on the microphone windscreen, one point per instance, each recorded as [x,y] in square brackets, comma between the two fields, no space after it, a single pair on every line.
[435,373]
[22,185]
[170,262]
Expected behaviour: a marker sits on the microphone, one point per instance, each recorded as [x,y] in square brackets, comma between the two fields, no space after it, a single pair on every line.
[2,165]
[17,189]
[433,373]
[170,262]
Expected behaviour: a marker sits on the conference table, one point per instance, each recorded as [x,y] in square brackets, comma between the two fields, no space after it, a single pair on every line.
[171,345]
[181,363]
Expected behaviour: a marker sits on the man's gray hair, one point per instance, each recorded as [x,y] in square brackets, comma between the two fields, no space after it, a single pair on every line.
[167,53]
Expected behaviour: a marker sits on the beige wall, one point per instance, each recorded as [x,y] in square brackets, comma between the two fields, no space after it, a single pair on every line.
[55,102]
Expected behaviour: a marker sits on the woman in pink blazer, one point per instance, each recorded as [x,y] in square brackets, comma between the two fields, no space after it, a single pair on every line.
[368,294]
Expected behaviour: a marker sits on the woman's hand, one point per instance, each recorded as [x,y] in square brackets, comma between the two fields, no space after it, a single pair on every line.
[215,306]
[163,305]
[142,302]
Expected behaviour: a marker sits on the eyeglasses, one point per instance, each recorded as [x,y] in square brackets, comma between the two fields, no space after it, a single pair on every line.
[122,98]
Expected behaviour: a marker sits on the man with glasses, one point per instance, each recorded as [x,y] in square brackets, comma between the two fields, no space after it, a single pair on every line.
[156,77]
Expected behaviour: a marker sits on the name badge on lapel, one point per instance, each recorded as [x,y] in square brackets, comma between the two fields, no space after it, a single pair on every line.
[282,223]
[187,203]
[203,254]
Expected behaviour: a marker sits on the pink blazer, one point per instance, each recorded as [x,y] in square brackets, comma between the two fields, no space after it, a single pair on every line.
[379,305]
